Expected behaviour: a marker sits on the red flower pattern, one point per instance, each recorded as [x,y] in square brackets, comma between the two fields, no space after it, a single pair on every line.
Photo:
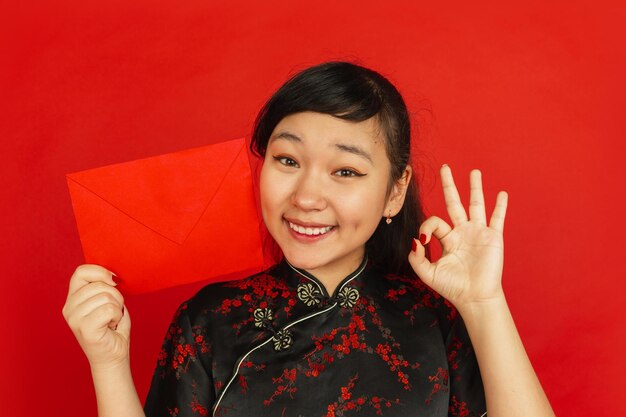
[364,333]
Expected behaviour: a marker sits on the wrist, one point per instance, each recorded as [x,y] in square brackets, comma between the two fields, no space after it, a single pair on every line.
[480,309]
[108,368]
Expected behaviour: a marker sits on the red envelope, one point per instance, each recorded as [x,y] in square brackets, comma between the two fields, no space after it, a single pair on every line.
[171,219]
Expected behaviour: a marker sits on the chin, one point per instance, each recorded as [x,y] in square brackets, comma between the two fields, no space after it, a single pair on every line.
[303,261]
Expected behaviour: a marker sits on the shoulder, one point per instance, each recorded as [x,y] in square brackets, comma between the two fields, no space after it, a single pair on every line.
[409,293]
[397,285]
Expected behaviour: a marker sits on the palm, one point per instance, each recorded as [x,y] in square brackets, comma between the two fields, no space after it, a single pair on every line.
[117,343]
[470,268]
[470,263]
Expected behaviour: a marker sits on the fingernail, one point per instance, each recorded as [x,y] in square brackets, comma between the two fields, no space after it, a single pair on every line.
[113,273]
[413,245]
[422,238]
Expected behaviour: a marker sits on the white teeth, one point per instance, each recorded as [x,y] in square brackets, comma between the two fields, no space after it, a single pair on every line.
[310,230]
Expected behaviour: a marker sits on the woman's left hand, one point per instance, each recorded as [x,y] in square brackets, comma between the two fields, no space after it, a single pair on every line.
[470,268]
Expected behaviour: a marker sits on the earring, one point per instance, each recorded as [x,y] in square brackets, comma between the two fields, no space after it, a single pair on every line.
[388,217]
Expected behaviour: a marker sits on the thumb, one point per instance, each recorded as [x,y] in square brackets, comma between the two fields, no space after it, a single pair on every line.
[123,327]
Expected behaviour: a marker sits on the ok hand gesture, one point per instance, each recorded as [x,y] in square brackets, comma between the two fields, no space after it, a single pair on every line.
[470,268]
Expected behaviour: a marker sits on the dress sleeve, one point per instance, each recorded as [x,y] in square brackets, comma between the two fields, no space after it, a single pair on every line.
[182,385]
[467,395]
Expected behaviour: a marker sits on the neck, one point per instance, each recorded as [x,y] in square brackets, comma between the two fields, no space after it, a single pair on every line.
[331,275]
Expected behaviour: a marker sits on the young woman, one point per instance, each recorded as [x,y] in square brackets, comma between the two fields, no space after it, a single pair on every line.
[355,319]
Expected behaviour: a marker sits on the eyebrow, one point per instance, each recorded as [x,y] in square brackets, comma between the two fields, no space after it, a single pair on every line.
[353,149]
[286,135]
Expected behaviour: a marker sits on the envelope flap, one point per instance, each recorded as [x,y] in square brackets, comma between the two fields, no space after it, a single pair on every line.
[166,193]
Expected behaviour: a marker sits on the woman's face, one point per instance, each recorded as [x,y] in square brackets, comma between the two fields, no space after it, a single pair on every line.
[323,187]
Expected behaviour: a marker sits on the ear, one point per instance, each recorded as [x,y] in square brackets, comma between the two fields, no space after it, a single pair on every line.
[397,195]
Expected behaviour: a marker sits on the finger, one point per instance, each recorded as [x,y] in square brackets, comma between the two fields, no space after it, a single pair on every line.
[421,265]
[90,305]
[499,212]
[88,273]
[434,226]
[90,290]
[107,315]
[477,199]
[95,288]
[451,195]
[91,318]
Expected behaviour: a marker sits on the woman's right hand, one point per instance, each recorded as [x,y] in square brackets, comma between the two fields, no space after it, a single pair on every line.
[95,312]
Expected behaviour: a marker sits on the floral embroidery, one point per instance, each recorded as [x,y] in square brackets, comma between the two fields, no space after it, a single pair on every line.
[440,383]
[282,340]
[262,317]
[286,384]
[258,291]
[347,402]
[309,294]
[377,334]
[458,408]
[348,297]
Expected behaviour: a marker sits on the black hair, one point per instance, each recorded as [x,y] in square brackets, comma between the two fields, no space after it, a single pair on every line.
[352,92]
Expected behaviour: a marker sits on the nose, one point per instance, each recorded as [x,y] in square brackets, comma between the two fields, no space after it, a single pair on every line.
[309,193]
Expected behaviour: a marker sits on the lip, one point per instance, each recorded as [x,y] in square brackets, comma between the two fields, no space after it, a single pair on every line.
[307,224]
[303,238]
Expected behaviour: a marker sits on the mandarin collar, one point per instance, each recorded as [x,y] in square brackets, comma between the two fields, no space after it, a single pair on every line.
[295,275]
[311,293]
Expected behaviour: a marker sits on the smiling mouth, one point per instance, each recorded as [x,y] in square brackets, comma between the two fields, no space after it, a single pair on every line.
[310,231]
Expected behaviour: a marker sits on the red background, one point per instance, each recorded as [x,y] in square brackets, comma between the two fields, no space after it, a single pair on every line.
[531,94]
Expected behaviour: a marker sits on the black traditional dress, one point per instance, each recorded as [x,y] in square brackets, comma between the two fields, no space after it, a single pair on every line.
[277,344]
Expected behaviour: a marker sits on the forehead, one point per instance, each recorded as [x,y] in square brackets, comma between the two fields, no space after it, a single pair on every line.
[314,129]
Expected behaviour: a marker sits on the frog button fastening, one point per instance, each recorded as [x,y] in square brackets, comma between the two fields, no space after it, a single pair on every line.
[309,294]
[282,340]
[348,297]
[262,317]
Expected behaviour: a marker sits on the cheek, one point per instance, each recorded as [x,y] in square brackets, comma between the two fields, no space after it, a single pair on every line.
[272,192]
[264,193]
[363,208]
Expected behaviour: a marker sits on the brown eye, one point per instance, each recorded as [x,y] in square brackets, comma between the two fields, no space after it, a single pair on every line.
[345,172]
[283,160]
